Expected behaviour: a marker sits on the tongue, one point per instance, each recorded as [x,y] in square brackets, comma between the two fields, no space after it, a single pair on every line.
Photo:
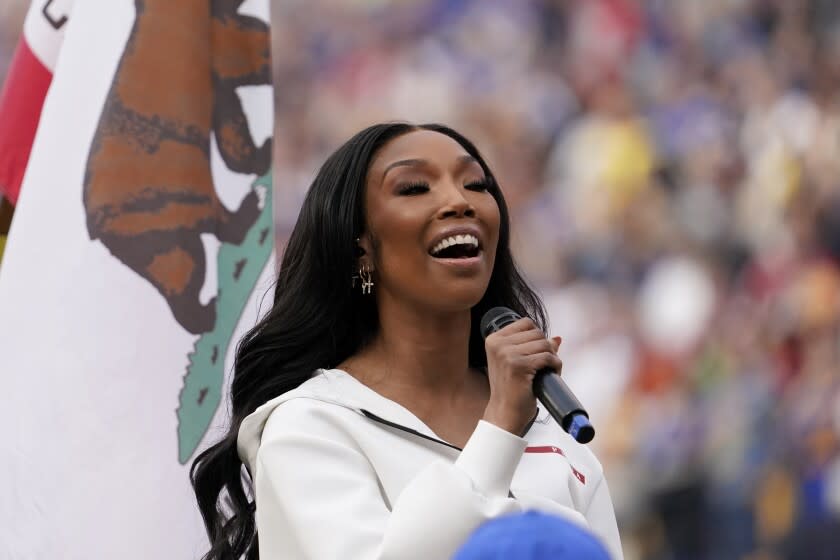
[457,252]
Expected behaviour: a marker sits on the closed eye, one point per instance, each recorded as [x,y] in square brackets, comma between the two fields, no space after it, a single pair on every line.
[481,185]
[409,189]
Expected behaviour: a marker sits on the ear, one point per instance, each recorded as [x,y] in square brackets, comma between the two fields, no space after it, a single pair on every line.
[364,248]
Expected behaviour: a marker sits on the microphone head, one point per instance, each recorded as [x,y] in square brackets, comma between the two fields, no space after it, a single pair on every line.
[579,427]
[496,319]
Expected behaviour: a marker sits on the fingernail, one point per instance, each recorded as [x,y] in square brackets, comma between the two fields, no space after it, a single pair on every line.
[557,339]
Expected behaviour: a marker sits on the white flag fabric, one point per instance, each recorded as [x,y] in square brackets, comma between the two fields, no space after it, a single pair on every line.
[140,251]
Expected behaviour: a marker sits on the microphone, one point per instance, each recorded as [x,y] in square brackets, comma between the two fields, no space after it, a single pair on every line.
[549,387]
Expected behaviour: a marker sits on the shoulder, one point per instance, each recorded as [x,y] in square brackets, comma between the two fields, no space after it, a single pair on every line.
[298,427]
[311,409]
[308,415]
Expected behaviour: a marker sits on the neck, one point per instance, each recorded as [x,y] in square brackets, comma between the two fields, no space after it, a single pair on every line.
[419,351]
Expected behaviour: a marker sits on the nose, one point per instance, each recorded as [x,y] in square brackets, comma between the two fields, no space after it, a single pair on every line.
[456,204]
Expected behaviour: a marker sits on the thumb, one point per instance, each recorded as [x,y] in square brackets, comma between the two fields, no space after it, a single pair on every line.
[555,343]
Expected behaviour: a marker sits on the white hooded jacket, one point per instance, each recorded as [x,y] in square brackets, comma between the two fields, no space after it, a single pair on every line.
[341,472]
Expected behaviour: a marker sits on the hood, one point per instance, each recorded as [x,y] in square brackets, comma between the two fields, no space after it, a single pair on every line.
[333,387]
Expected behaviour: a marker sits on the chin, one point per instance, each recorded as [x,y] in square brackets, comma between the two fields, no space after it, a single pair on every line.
[451,298]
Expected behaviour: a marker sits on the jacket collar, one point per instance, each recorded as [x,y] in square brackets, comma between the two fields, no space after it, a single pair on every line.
[337,387]
[333,386]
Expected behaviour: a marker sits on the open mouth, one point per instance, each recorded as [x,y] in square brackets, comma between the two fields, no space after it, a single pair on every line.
[456,247]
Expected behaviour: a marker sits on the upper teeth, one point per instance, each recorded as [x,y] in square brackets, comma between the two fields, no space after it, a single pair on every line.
[455,240]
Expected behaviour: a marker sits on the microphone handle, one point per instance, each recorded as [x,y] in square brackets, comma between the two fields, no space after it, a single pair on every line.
[555,395]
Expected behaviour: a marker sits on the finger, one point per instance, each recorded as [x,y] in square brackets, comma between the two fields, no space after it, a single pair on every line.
[545,360]
[556,340]
[524,336]
[523,324]
[534,347]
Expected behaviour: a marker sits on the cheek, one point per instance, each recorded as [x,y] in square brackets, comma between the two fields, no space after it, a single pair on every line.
[493,219]
[399,232]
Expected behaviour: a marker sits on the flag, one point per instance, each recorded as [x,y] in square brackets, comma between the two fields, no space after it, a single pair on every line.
[140,251]
[22,95]
[25,87]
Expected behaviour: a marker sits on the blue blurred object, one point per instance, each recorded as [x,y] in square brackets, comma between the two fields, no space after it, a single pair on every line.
[531,536]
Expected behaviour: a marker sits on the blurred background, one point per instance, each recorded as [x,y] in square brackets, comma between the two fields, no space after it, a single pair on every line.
[673,172]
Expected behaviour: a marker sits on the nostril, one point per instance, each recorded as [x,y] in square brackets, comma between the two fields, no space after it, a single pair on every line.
[459,209]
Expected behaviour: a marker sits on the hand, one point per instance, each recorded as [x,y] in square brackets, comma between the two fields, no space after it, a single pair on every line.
[514,355]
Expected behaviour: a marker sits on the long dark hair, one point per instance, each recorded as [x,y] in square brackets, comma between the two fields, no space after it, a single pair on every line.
[318,320]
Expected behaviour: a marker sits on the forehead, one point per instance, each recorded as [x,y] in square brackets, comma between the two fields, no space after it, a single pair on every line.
[428,145]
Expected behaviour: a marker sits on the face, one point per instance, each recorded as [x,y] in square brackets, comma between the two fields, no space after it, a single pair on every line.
[432,225]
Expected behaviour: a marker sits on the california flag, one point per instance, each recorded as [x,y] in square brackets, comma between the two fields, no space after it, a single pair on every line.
[140,251]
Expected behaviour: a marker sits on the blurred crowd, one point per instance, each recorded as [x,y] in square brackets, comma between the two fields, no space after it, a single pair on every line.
[673,172]
[11,22]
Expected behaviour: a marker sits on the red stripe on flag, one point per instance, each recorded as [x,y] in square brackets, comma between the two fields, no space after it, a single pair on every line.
[552,449]
[21,100]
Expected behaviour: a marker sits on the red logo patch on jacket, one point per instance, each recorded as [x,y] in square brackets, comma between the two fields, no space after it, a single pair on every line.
[552,449]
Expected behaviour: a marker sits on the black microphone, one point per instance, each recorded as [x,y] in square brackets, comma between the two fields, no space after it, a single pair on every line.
[549,387]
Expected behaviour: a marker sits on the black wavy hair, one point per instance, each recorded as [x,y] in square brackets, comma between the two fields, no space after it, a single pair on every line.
[318,320]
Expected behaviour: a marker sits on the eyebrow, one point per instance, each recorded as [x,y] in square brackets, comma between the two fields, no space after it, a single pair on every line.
[462,161]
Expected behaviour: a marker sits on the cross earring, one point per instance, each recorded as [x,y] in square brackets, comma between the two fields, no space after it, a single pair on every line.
[367,279]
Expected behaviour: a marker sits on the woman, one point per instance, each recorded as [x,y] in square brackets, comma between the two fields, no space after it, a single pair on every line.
[372,418]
